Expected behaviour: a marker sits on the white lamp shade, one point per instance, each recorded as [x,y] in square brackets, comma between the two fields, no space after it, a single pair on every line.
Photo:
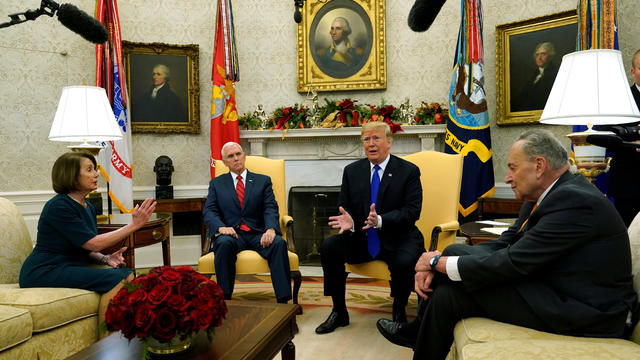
[84,114]
[591,88]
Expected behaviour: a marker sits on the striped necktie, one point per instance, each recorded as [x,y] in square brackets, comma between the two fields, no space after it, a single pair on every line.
[240,192]
[525,222]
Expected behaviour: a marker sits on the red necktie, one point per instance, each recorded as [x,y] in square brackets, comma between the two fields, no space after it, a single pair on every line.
[525,222]
[240,192]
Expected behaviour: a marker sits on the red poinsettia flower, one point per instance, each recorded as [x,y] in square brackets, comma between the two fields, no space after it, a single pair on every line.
[386,111]
[345,104]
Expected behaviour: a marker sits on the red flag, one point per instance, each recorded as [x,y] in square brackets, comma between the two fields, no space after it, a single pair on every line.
[116,157]
[224,116]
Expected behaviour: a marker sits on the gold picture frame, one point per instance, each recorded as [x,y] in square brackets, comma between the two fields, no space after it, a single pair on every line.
[362,66]
[174,107]
[522,87]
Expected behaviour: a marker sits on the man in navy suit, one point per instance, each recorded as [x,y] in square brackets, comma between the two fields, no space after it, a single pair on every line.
[242,213]
[390,219]
[563,267]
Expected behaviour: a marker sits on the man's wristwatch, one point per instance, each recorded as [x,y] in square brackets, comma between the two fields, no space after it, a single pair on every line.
[434,261]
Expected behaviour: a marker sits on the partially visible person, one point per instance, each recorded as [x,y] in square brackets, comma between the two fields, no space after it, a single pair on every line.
[160,103]
[534,93]
[625,162]
[564,267]
[341,56]
[68,242]
[242,214]
[379,204]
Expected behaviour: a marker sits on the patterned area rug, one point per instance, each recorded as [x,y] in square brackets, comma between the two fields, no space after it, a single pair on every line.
[362,293]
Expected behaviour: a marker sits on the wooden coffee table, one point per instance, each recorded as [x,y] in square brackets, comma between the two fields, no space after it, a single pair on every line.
[252,330]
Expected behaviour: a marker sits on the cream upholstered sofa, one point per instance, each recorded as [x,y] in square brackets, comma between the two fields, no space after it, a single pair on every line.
[38,323]
[479,338]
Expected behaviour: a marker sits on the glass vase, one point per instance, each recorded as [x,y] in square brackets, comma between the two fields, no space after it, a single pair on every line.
[172,346]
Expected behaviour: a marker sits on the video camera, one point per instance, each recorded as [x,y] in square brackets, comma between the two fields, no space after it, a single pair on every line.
[627,133]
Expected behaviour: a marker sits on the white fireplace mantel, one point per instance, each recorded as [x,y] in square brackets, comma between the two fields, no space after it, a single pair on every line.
[336,144]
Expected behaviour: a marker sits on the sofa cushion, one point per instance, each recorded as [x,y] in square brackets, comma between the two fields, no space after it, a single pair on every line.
[51,307]
[14,240]
[524,349]
[481,330]
[15,326]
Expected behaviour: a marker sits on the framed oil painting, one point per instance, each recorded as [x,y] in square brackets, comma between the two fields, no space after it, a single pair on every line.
[529,53]
[341,45]
[163,85]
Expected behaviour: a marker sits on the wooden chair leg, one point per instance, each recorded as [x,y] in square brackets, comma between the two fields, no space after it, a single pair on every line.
[296,276]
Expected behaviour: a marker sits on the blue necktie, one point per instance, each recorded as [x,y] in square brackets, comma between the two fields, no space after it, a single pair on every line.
[373,242]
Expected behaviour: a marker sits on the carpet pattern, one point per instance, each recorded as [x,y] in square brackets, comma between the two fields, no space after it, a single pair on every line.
[366,294]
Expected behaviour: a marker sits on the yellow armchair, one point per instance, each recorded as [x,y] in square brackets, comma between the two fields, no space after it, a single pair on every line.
[441,177]
[249,261]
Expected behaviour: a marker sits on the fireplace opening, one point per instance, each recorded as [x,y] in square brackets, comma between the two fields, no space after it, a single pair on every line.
[310,207]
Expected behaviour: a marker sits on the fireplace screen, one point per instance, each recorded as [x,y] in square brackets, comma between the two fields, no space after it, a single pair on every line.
[310,207]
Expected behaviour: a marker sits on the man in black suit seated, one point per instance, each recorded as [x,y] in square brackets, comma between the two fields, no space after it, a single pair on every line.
[625,161]
[374,224]
[242,212]
[563,267]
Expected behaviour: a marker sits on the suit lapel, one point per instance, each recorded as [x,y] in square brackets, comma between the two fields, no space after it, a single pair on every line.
[228,179]
[364,187]
[636,94]
[249,187]
[566,176]
[386,178]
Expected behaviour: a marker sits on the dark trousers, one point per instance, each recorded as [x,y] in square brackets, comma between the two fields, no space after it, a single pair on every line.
[226,249]
[450,302]
[340,249]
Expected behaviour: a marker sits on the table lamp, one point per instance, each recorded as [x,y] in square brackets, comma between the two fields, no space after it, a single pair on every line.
[591,88]
[84,114]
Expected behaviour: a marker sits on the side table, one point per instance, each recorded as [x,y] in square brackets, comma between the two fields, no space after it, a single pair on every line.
[183,205]
[474,233]
[492,207]
[156,230]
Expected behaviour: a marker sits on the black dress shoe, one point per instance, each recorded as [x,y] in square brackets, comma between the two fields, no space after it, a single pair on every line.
[399,316]
[334,321]
[391,331]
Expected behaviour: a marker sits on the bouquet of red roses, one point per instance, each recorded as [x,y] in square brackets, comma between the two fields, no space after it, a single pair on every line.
[166,302]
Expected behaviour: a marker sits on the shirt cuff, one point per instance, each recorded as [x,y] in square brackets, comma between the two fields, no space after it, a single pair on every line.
[379,226]
[452,268]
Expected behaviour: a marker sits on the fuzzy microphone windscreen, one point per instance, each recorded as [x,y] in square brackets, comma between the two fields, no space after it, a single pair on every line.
[423,13]
[79,22]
